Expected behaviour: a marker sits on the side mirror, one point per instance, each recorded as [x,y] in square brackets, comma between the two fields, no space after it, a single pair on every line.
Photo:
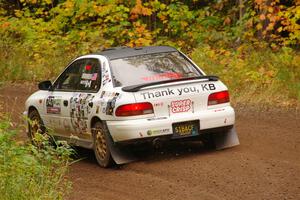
[45,85]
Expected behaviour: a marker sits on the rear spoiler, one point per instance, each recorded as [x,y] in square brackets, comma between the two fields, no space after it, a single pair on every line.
[135,88]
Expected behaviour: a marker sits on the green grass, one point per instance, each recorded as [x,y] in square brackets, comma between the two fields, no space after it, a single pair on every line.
[31,172]
[22,62]
[253,75]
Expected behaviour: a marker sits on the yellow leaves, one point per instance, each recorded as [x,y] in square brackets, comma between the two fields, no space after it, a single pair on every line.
[18,13]
[270,9]
[181,43]
[249,23]
[69,4]
[270,26]
[262,17]
[259,1]
[280,29]
[259,26]
[162,18]
[267,74]
[139,9]
[227,21]
[5,24]
[140,35]
[130,34]
[183,24]
[82,34]
[140,29]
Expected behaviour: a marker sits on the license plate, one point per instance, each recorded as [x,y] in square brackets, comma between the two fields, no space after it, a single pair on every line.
[185,129]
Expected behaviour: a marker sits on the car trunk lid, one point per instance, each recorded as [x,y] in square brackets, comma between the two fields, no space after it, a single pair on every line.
[181,97]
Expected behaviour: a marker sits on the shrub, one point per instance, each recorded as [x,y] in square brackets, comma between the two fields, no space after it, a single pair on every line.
[254,74]
[32,172]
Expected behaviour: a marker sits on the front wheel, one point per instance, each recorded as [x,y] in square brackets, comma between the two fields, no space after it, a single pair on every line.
[35,124]
[101,147]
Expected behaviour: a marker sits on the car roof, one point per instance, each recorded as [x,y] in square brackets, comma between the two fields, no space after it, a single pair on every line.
[124,52]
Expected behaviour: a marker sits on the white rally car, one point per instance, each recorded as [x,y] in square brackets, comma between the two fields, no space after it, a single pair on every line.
[126,95]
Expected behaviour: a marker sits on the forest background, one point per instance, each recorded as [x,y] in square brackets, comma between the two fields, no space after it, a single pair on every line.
[253,46]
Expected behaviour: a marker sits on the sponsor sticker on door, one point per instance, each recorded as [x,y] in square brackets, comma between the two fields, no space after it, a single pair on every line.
[181,106]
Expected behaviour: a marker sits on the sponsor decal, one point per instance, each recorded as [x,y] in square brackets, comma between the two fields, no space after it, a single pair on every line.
[105,75]
[158,104]
[108,101]
[102,94]
[156,118]
[53,105]
[218,110]
[162,76]
[51,110]
[88,67]
[181,106]
[179,91]
[158,132]
[86,76]
[111,104]
[94,76]
[86,83]
[79,111]
[87,79]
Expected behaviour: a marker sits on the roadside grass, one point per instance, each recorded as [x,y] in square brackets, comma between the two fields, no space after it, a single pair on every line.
[32,171]
[254,76]
[21,62]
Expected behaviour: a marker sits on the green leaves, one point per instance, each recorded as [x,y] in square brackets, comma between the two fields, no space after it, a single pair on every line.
[32,172]
[43,29]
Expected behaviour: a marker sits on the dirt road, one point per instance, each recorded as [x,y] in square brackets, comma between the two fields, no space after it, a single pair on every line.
[265,166]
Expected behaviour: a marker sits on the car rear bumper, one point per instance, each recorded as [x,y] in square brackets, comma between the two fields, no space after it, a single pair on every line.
[127,130]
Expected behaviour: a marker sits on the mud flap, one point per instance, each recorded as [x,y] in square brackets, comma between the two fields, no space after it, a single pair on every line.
[226,140]
[121,155]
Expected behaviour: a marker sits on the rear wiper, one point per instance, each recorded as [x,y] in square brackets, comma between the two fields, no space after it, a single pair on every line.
[135,88]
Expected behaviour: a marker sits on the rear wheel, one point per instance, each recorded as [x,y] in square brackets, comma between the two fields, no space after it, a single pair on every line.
[101,147]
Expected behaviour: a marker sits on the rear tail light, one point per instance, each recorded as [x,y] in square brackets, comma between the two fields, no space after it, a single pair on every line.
[218,97]
[134,109]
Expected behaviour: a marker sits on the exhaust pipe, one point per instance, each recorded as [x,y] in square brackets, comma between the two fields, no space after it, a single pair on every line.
[157,143]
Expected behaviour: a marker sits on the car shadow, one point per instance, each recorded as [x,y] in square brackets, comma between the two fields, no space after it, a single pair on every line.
[150,153]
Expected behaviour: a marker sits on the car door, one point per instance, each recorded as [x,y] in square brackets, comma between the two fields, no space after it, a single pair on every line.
[57,102]
[82,102]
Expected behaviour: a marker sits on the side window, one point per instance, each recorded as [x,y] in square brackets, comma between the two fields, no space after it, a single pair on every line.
[70,78]
[89,76]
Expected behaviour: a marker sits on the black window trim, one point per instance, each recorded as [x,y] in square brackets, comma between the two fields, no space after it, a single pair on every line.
[82,91]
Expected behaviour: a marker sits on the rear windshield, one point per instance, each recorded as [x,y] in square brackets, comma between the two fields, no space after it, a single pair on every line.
[151,68]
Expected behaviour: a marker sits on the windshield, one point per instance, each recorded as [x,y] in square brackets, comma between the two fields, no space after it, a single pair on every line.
[151,68]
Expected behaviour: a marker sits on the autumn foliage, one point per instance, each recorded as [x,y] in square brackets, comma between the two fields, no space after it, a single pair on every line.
[134,23]
[235,35]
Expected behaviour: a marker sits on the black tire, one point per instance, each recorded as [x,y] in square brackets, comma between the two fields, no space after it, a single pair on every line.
[35,125]
[208,141]
[101,147]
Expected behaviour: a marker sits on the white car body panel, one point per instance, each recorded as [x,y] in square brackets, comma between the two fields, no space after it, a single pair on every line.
[160,126]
